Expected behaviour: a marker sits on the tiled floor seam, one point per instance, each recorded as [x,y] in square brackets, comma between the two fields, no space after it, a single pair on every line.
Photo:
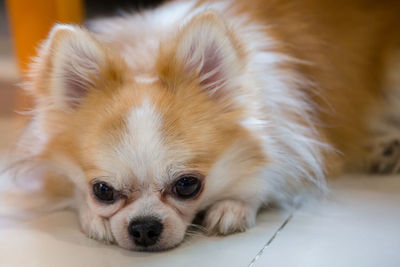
[269,242]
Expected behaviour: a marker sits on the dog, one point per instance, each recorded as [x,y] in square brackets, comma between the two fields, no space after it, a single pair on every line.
[214,107]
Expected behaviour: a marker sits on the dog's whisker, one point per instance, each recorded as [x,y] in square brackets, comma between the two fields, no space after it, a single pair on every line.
[198,227]
[195,234]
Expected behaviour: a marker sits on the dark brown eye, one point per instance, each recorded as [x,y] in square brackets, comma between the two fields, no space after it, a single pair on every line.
[103,192]
[187,187]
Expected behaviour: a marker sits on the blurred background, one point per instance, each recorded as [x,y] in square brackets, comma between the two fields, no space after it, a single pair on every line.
[8,68]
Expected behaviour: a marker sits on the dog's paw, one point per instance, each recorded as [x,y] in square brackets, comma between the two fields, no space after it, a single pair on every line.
[229,216]
[386,157]
[95,227]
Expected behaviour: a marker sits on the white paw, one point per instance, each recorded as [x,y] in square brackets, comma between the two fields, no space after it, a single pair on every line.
[95,227]
[229,216]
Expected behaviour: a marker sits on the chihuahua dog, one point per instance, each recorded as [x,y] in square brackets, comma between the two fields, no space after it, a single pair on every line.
[218,107]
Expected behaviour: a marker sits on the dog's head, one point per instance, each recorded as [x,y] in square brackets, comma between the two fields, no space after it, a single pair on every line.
[147,152]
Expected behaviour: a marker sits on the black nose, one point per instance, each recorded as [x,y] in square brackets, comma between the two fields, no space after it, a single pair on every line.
[145,231]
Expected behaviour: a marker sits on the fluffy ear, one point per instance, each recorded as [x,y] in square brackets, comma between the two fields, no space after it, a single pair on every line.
[204,51]
[71,62]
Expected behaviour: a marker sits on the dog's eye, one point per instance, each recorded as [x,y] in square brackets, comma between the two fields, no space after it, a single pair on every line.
[103,192]
[187,187]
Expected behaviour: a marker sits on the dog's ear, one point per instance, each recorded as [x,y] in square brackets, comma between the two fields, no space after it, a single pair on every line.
[204,51]
[71,63]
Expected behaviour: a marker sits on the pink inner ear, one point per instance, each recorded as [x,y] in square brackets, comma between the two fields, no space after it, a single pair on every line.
[209,67]
[211,71]
[76,89]
[78,72]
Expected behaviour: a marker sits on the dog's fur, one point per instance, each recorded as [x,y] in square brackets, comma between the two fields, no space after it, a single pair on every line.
[262,99]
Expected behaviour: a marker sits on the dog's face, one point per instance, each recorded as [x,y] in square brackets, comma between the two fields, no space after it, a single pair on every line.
[152,151]
[154,164]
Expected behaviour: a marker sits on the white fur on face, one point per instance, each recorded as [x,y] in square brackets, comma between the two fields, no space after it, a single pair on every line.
[141,153]
[146,79]
[142,144]
[140,162]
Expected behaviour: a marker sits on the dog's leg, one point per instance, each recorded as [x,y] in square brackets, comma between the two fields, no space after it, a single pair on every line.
[92,225]
[229,216]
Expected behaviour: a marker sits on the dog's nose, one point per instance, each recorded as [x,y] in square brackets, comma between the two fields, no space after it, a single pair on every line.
[145,231]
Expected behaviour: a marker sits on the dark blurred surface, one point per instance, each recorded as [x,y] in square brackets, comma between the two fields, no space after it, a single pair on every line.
[7,76]
[3,20]
[113,7]
[93,8]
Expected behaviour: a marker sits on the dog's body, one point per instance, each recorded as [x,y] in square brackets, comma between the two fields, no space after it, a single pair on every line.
[215,106]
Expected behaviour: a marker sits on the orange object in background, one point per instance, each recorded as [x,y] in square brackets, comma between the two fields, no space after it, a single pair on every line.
[30,22]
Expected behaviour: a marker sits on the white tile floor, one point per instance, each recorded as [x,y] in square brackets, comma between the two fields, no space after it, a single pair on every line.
[358,224]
